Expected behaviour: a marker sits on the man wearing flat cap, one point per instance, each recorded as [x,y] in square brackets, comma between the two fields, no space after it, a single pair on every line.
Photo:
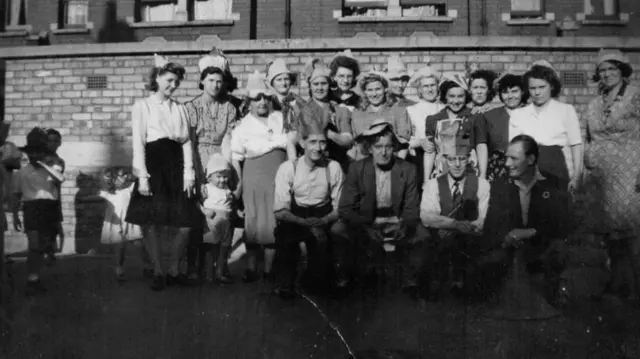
[306,208]
[379,204]
[454,206]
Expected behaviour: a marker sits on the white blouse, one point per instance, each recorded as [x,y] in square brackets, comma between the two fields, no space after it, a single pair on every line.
[418,115]
[557,124]
[152,120]
[253,137]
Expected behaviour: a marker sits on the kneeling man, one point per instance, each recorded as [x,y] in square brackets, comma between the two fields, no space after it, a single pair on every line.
[454,207]
[305,205]
[379,204]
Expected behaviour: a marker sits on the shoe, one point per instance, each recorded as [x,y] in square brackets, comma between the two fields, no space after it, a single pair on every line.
[50,259]
[250,276]
[34,287]
[179,280]
[224,279]
[120,277]
[158,282]
[147,273]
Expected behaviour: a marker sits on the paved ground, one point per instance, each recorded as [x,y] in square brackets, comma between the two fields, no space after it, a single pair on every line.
[86,314]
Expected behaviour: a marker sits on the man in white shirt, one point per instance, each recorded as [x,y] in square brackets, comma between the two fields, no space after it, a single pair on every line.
[305,206]
[454,206]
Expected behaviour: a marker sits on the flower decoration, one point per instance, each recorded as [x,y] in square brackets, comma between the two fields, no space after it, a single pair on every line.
[546,195]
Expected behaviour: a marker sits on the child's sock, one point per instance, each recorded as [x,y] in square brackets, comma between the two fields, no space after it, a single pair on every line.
[33,278]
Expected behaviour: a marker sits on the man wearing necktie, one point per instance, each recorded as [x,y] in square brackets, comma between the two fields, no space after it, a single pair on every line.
[454,207]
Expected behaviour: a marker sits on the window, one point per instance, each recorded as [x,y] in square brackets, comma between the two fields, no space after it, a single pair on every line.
[527,8]
[601,9]
[395,8]
[16,11]
[76,13]
[184,10]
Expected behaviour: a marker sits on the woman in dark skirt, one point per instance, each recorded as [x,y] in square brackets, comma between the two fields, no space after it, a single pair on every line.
[553,124]
[163,197]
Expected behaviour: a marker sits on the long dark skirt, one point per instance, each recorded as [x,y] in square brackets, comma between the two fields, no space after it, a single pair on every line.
[553,166]
[168,204]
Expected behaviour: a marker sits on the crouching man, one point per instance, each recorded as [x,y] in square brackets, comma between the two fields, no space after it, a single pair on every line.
[527,213]
[305,205]
[454,207]
[379,204]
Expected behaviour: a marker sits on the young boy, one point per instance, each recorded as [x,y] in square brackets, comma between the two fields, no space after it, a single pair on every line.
[218,206]
[54,142]
[36,186]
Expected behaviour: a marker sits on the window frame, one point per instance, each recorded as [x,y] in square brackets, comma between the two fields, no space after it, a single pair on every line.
[526,13]
[65,15]
[141,7]
[23,15]
[596,17]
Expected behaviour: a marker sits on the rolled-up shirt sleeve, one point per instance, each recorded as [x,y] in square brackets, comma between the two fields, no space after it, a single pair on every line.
[139,139]
[284,181]
[572,126]
[484,193]
[430,204]
[238,150]
[337,181]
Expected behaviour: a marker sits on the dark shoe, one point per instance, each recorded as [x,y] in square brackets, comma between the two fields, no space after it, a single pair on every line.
[147,273]
[50,259]
[158,282]
[120,277]
[34,287]
[250,276]
[224,279]
[178,280]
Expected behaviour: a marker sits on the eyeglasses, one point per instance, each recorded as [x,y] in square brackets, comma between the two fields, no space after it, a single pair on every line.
[260,97]
[456,158]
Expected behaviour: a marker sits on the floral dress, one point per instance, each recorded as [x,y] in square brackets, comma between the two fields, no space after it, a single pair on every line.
[613,158]
[211,126]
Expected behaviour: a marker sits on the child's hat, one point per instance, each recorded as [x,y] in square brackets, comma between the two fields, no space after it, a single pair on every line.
[216,163]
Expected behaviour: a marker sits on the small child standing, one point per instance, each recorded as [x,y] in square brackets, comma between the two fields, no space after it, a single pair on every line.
[36,186]
[218,208]
[117,185]
[53,144]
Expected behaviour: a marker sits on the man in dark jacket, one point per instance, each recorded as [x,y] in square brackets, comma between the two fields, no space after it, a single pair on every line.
[380,205]
[528,213]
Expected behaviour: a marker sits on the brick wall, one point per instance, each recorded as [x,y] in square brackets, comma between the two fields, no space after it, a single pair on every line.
[52,91]
[314,19]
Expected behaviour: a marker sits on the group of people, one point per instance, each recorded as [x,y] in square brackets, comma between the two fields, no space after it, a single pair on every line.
[452,184]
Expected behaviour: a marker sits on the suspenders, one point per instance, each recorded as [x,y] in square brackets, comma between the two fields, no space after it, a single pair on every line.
[326,171]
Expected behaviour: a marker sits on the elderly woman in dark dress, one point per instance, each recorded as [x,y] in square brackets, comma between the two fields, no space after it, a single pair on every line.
[510,88]
[212,117]
[454,94]
[345,70]
[163,196]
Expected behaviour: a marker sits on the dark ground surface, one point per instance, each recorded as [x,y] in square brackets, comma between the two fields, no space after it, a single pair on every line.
[86,314]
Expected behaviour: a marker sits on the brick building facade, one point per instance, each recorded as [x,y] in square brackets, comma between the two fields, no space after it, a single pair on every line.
[86,91]
[31,22]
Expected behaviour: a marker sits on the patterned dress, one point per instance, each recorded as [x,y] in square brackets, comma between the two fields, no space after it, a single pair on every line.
[210,126]
[613,157]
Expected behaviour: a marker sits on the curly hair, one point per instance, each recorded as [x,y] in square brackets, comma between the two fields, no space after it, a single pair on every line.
[543,73]
[347,63]
[448,85]
[172,67]
[488,76]
[364,103]
[109,176]
[510,81]
[625,69]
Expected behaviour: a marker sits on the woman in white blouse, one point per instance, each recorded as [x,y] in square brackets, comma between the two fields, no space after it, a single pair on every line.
[553,124]
[163,163]
[262,143]
[426,81]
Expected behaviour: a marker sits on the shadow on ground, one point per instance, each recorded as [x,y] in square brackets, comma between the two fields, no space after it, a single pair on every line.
[86,314]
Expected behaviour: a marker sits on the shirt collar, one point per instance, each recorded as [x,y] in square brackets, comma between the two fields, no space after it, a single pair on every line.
[154,100]
[527,188]
[452,181]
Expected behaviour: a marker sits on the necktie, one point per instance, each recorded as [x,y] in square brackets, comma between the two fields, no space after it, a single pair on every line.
[456,192]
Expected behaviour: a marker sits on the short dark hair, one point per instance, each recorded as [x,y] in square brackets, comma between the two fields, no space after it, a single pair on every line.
[448,85]
[510,81]
[347,63]
[626,70]
[543,73]
[211,70]
[54,132]
[489,77]
[172,67]
[529,145]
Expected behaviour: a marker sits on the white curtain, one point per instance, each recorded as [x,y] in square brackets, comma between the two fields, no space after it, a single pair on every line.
[526,5]
[16,5]
[213,9]
[77,12]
